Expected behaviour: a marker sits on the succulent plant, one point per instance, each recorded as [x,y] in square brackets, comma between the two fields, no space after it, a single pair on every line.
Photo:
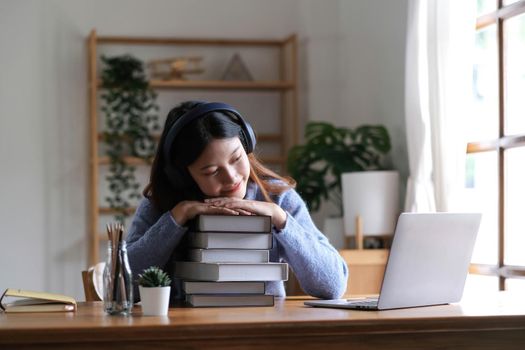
[154,276]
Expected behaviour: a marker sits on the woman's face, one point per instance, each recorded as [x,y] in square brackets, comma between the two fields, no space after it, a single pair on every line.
[223,169]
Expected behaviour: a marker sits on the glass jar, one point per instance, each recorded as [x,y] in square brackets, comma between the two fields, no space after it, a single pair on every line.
[118,284]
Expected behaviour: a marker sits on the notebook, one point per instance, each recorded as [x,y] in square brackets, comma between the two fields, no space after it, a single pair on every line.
[428,263]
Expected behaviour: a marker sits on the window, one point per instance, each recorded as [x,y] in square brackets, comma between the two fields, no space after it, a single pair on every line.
[495,166]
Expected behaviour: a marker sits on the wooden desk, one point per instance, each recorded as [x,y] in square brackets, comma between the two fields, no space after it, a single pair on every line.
[494,323]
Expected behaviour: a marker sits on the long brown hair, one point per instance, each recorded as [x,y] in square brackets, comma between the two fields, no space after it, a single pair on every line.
[263,177]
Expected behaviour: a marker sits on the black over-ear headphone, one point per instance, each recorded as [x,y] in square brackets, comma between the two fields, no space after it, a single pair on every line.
[247,134]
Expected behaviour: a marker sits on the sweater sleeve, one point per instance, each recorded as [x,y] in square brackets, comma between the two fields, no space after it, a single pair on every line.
[152,238]
[319,268]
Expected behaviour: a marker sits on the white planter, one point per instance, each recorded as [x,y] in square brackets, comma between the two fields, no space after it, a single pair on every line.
[374,196]
[155,300]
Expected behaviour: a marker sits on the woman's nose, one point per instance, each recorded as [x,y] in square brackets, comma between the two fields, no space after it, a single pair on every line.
[229,175]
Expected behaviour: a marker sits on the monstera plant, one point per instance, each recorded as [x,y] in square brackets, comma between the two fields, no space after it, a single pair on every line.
[130,117]
[330,151]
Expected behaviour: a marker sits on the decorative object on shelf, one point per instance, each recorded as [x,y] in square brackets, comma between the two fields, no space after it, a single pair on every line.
[175,68]
[371,205]
[129,110]
[236,70]
[154,289]
[329,152]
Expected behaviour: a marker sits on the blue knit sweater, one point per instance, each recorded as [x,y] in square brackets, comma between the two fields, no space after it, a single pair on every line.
[154,239]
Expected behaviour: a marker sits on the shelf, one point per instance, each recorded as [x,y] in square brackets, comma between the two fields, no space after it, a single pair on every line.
[104,160]
[260,137]
[189,41]
[219,84]
[111,211]
[285,84]
[127,160]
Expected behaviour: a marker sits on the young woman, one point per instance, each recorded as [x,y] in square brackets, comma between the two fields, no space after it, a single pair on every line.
[204,165]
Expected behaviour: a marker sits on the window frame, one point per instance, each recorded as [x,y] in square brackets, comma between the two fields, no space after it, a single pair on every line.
[501,144]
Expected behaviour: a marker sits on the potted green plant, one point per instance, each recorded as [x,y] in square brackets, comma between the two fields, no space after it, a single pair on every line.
[328,153]
[154,288]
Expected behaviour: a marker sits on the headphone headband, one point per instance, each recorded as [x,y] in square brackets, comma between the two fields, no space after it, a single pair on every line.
[201,110]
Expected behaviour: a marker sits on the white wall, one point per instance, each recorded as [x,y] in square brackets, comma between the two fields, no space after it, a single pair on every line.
[365,41]
[23,256]
[351,55]
[371,68]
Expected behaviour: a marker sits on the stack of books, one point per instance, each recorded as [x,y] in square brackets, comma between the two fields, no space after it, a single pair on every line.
[229,262]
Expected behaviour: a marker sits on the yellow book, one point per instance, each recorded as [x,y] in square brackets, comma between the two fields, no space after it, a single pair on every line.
[18,300]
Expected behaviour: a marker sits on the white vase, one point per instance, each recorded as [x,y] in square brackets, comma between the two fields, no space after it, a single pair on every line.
[374,196]
[155,300]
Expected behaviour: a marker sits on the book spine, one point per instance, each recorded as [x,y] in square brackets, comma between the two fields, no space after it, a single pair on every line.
[229,255]
[232,300]
[192,287]
[231,272]
[219,240]
[225,223]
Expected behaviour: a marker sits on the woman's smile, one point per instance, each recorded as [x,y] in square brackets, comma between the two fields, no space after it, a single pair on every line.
[232,189]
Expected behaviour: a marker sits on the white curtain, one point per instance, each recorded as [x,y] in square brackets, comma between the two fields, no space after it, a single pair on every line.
[438,75]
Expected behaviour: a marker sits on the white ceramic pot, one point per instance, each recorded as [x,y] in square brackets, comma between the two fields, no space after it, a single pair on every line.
[155,300]
[374,196]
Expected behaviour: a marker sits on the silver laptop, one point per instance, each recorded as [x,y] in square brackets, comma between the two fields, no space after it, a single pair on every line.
[428,263]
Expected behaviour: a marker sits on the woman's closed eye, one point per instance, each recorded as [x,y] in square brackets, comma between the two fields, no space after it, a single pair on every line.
[237,158]
[212,173]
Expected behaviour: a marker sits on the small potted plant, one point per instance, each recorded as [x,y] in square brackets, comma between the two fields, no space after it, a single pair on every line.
[154,289]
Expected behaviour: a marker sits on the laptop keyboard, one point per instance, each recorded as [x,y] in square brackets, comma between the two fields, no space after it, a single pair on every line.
[363,304]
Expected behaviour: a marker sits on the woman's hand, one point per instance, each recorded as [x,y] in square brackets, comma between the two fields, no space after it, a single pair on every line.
[250,207]
[187,210]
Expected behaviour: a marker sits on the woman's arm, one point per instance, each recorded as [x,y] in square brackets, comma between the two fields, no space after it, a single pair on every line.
[152,237]
[319,268]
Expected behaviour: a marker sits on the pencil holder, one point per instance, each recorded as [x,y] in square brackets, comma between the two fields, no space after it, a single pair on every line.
[118,283]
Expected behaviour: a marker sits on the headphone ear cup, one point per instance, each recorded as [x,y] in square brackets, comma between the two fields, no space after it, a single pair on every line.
[249,139]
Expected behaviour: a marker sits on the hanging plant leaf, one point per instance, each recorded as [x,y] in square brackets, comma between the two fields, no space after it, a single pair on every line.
[128,106]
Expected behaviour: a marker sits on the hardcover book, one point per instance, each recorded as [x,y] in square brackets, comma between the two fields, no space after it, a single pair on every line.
[18,300]
[231,271]
[243,287]
[198,300]
[223,240]
[229,255]
[233,223]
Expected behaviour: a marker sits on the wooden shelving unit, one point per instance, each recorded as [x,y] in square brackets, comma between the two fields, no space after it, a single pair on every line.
[221,85]
[285,86]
